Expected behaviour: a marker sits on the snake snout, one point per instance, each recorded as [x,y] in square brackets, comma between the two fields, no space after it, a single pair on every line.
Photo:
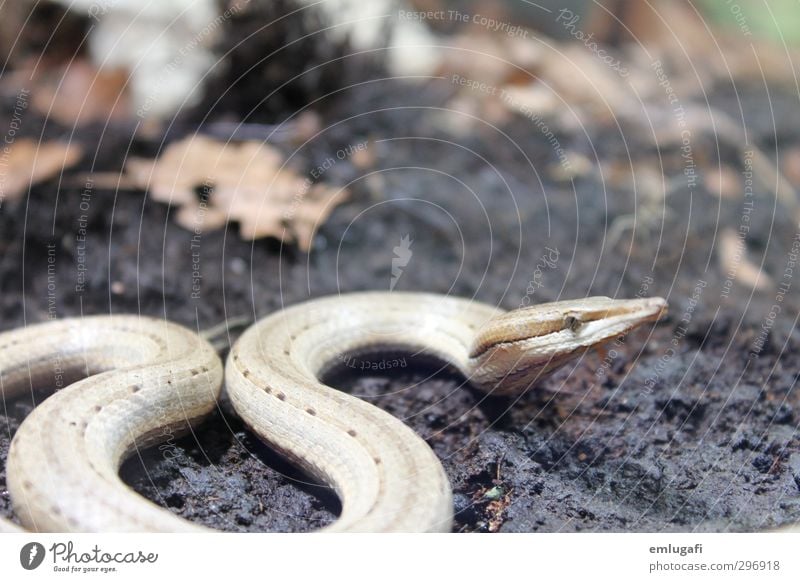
[513,351]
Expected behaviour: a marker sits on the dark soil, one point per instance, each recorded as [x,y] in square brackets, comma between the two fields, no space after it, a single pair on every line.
[684,426]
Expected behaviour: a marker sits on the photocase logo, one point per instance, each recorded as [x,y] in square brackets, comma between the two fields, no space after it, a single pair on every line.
[402,255]
[31,555]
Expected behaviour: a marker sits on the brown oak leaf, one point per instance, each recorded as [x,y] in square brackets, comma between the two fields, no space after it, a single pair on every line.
[214,182]
[26,161]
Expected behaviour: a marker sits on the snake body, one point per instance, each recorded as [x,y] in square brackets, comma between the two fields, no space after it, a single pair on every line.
[148,378]
[387,477]
[143,379]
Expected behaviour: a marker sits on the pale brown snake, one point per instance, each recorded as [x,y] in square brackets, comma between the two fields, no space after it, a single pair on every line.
[148,378]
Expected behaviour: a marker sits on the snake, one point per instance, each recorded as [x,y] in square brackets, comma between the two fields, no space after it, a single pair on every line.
[129,382]
[132,381]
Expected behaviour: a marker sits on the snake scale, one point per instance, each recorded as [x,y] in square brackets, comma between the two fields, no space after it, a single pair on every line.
[133,381]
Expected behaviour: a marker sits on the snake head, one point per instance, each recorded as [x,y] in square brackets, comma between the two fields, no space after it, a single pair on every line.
[514,350]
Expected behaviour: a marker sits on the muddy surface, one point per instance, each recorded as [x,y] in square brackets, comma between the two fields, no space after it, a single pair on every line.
[688,425]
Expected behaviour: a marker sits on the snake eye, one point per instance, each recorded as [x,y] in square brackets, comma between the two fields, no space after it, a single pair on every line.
[572,323]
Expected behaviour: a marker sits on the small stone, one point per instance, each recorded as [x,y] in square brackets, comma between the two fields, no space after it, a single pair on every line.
[238,266]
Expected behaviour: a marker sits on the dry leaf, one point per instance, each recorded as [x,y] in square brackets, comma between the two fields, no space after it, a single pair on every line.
[215,182]
[735,263]
[80,93]
[200,218]
[573,165]
[364,159]
[791,165]
[27,162]
[533,99]
[724,182]
[525,78]
[579,78]
[479,57]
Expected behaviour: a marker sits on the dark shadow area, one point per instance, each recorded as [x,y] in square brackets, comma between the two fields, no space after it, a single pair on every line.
[400,367]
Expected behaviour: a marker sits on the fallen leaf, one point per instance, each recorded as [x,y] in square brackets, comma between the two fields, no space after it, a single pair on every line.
[80,93]
[364,159]
[533,100]
[791,165]
[735,263]
[529,79]
[26,162]
[201,218]
[724,182]
[573,165]
[477,57]
[216,182]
